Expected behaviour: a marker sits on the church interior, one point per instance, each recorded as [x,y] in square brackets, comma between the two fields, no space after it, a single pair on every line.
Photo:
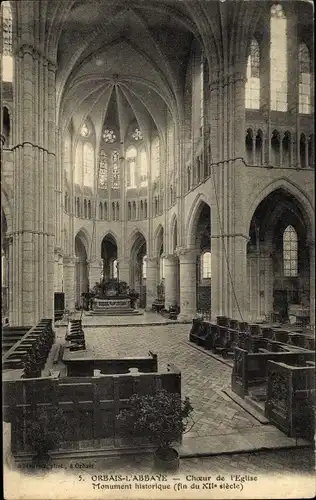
[166,149]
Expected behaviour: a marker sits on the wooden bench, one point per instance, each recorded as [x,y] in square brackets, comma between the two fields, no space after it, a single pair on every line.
[201,334]
[291,397]
[250,369]
[84,367]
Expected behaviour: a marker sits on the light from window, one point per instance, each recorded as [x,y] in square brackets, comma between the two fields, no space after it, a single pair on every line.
[84,131]
[114,269]
[278,59]
[103,170]
[143,168]
[206,265]
[305,81]
[78,164]
[88,164]
[162,268]
[131,166]
[253,77]
[109,136]
[115,170]
[137,135]
[7,59]
[155,158]
[144,267]
[290,253]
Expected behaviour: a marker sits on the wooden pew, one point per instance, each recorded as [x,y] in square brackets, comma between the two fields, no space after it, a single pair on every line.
[84,367]
[250,369]
[291,398]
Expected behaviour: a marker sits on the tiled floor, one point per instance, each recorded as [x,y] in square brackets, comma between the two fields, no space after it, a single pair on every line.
[221,425]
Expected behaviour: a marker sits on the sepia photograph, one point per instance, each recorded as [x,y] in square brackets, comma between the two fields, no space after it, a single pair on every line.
[157,249]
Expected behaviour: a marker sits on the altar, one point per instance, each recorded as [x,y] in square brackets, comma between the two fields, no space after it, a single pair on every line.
[113,298]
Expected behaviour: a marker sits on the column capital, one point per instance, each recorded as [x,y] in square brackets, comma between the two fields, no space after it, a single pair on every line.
[188,254]
[58,251]
[122,261]
[95,262]
[68,260]
[169,256]
[153,261]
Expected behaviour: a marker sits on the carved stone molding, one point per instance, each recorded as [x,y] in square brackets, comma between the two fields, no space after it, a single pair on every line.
[69,261]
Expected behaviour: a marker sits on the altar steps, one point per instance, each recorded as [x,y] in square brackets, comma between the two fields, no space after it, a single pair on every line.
[115,312]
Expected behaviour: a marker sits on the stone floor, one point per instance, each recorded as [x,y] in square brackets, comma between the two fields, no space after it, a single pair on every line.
[225,441]
[221,425]
[96,321]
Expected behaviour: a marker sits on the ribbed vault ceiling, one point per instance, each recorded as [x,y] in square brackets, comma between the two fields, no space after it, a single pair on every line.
[137,50]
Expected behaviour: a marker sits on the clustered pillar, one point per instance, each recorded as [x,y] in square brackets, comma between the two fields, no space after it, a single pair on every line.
[32,277]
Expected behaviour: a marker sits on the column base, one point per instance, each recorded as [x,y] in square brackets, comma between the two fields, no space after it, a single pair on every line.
[185,317]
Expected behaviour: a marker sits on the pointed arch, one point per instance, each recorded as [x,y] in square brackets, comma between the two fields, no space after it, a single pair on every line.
[295,191]
[113,235]
[193,216]
[134,235]
[173,237]
[158,238]
[85,238]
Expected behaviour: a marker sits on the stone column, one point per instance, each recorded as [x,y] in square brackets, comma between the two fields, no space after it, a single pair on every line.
[34,131]
[69,283]
[170,263]
[187,258]
[252,264]
[95,271]
[266,282]
[124,270]
[229,277]
[151,281]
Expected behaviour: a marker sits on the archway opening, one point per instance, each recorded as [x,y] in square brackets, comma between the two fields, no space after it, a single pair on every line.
[81,270]
[138,267]
[203,263]
[109,257]
[278,260]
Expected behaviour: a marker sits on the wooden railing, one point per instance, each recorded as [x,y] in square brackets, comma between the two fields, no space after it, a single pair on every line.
[290,399]
[90,404]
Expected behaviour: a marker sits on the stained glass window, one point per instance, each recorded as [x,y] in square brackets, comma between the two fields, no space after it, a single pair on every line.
[114,268]
[143,168]
[7,59]
[144,267]
[131,166]
[137,135]
[115,170]
[109,136]
[305,80]
[78,164]
[84,131]
[290,253]
[278,59]
[88,164]
[155,158]
[206,265]
[103,170]
[253,77]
